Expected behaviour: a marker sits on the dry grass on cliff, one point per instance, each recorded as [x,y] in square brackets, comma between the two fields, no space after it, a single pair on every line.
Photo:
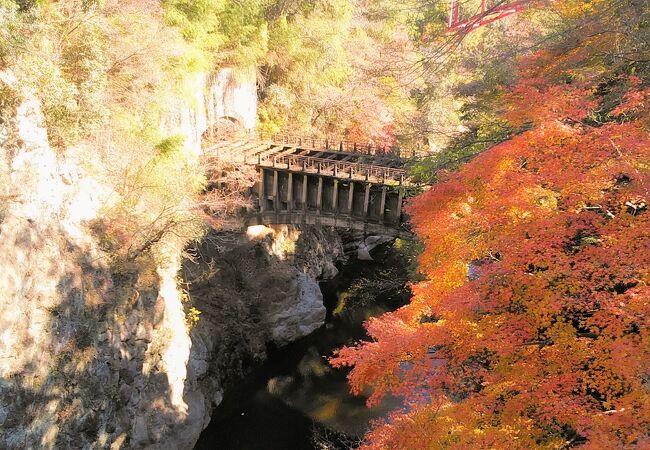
[111,79]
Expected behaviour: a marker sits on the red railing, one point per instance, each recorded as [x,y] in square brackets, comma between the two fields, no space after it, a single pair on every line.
[490,11]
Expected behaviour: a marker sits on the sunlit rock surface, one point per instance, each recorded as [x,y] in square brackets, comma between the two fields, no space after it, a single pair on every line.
[50,275]
[304,313]
[225,94]
[89,358]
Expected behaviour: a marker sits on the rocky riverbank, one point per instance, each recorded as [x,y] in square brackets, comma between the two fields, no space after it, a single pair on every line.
[255,290]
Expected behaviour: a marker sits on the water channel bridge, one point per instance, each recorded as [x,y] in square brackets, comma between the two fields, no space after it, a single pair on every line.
[316,182]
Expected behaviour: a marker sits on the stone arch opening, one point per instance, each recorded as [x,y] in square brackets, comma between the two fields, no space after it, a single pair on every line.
[225,128]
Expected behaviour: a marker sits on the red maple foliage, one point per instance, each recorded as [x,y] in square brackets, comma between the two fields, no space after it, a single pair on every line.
[533,329]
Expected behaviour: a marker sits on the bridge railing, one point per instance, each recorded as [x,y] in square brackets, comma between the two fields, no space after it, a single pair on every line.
[315,143]
[340,169]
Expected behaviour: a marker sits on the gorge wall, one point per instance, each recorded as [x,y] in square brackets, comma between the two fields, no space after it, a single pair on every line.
[96,355]
[99,356]
[91,355]
[258,289]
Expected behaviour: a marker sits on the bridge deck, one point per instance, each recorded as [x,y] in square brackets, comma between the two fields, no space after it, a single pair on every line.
[377,168]
[300,185]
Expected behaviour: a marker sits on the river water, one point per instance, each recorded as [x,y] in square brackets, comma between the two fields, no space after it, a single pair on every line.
[296,400]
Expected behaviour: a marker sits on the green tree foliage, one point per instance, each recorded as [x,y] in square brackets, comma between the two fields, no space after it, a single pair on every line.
[337,67]
[220,31]
[347,69]
[107,75]
[306,62]
[465,75]
[59,54]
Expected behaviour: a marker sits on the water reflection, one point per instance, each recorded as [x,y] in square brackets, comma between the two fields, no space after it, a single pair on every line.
[322,393]
[296,400]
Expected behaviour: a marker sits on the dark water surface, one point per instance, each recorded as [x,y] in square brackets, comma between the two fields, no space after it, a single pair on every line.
[295,394]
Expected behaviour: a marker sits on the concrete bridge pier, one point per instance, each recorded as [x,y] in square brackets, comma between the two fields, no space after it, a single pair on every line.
[287,197]
[316,185]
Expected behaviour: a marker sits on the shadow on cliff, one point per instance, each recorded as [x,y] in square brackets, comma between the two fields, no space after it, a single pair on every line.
[96,388]
[294,399]
[246,288]
[231,283]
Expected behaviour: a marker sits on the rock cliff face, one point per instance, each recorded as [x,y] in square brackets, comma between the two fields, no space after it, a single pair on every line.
[90,357]
[98,358]
[227,93]
[95,357]
[253,290]
[49,278]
